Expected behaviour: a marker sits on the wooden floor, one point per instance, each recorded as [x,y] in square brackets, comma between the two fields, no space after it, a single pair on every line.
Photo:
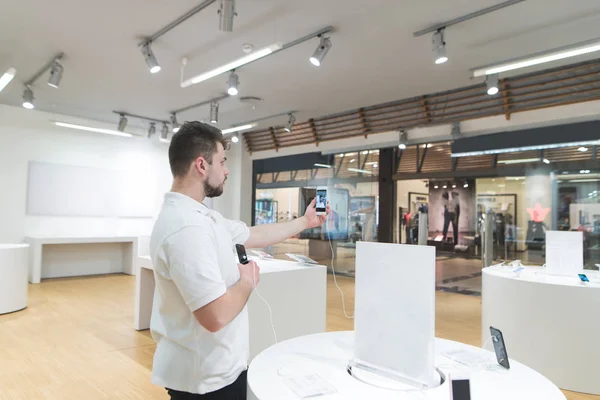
[76,339]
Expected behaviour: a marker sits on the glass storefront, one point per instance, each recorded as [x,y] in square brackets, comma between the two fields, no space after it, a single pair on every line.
[523,193]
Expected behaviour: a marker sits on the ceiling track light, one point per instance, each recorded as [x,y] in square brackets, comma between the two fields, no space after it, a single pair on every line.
[28,99]
[455,131]
[235,138]
[321,51]
[439,46]
[214,112]
[174,123]
[55,74]
[150,58]
[164,132]
[232,84]
[7,77]
[122,123]
[226,13]
[152,129]
[253,56]
[290,124]
[403,140]
[492,84]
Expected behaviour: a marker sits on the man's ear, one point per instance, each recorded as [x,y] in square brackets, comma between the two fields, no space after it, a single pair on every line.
[201,165]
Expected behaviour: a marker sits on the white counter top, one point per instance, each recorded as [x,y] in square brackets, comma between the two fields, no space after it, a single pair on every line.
[539,275]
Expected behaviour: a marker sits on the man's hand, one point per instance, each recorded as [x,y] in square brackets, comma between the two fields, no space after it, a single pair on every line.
[312,219]
[250,274]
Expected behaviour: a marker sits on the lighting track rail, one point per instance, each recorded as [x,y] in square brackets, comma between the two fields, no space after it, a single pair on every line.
[160,121]
[466,17]
[202,103]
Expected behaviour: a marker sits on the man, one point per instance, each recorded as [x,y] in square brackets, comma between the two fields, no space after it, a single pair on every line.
[199,320]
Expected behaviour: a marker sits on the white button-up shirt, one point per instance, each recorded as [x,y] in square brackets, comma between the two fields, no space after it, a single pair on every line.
[192,250]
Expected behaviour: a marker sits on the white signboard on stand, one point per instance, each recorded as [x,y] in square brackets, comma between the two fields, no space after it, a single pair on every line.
[394,319]
[564,252]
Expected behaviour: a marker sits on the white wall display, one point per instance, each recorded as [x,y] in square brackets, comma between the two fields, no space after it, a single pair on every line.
[564,252]
[394,319]
[70,190]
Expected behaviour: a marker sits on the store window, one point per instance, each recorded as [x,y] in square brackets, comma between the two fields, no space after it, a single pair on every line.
[351,181]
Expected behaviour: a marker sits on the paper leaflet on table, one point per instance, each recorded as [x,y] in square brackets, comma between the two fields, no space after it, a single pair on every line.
[301,259]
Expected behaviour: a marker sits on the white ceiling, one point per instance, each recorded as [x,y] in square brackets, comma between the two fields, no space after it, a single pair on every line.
[374,57]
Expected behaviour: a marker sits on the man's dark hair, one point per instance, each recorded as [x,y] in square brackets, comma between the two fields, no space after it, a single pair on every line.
[193,140]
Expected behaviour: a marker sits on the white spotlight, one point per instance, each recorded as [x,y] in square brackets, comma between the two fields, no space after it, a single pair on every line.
[227,12]
[546,161]
[122,123]
[321,51]
[235,138]
[150,58]
[290,124]
[28,99]
[466,185]
[582,149]
[403,140]
[7,77]
[55,75]
[214,112]
[174,123]
[232,84]
[492,84]
[439,47]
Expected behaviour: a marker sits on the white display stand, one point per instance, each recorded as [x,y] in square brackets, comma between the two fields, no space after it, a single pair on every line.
[297,295]
[13,277]
[80,260]
[564,252]
[395,310]
[326,355]
[549,322]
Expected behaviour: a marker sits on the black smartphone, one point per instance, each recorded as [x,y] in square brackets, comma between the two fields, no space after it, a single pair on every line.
[499,347]
[583,278]
[241,252]
[460,388]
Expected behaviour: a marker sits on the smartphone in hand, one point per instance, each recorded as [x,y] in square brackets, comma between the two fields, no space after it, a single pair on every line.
[241,252]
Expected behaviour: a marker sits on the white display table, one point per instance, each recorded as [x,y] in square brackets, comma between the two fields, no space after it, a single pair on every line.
[550,323]
[296,293]
[82,260]
[327,354]
[13,277]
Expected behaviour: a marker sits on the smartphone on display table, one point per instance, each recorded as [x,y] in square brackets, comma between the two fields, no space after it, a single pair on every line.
[499,347]
[321,202]
[460,387]
[241,252]
[583,278]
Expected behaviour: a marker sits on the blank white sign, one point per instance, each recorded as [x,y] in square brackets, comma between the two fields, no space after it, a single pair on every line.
[564,252]
[69,190]
[394,319]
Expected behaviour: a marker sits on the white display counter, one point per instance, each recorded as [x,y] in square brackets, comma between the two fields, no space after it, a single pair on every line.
[327,355]
[296,293]
[549,322]
[13,277]
[117,255]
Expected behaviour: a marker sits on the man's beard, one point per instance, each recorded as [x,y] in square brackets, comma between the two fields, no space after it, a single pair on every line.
[213,191]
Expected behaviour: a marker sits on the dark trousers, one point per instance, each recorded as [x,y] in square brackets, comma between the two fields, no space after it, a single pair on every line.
[235,391]
[451,218]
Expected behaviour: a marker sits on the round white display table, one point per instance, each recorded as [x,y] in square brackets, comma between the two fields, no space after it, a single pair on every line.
[549,322]
[14,271]
[328,354]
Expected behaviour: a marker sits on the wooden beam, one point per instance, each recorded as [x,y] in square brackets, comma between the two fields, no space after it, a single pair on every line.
[274,137]
[314,131]
[455,163]
[259,177]
[495,161]
[364,163]
[425,108]
[295,174]
[313,173]
[363,120]
[418,156]
[505,97]
[420,165]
